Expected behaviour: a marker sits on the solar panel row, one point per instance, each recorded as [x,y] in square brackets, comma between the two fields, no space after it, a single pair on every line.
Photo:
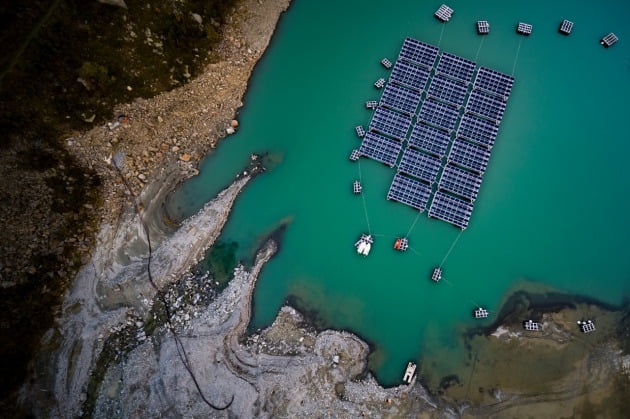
[447,90]
[478,130]
[410,75]
[390,123]
[486,104]
[451,209]
[456,67]
[401,99]
[469,156]
[460,182]
[429,139]
[420,165]
[409,191]
[418,52]
[380,148]
[438,114]
[494,82]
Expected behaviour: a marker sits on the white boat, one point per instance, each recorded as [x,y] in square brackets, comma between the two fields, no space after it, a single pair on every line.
[364,244]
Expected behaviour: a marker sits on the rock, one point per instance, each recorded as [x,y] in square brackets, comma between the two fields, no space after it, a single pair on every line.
[234,123]
[230,130]
[185,157]
[197,18]
[175,149]
[142,177]
[119,3]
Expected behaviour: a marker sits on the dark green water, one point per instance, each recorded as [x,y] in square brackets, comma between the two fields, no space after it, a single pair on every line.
[552,209]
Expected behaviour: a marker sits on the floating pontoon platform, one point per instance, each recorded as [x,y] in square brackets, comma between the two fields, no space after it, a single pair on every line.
[480,313]
[379,83]
[609,40]
[356,187]
[444,13]
[524,29]
[437,274]
[565,27]
[483,27]
[360,131]
[354,156]
[386,63]
[371,104]
[401,244]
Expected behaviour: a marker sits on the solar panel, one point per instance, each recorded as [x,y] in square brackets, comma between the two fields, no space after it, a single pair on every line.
[410,192]
[478,130]
[456,67]
[429,139]
[401,99]
[390,123]
[469,156]
[418,52]
[494,82]
[420,165]
[485,104]
[447,90]
[380,148]
[460,182]
[438,114]
[451,209]
[410,75]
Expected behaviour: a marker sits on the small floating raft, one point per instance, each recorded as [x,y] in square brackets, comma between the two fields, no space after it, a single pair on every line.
[483,27]
[437,274]
[360,131]
[480,313]
[386,63]
[354,156]
[401,244]
[364,244]
[356,187]
[524,29]
[379,83]
[531,325]
[565,27]
[609,40]
[444,13]
[371,104]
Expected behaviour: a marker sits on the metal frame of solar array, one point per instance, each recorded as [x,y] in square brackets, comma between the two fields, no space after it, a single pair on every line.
[390,123]
[410,75]
[410,192]
[451,209]
[486,105]
[460,182]
[479,130]
[420,165]
[380,148]
[400,99]
[447,90]
[456,67]
[430,139]
[418,52]
[469,155]
[438,114]
[494,82]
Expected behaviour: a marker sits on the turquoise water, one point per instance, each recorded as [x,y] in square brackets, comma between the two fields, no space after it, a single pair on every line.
[552,209]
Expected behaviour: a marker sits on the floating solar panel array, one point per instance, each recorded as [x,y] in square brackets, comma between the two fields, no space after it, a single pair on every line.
[451,209]
[439,114]
[430,139]
[456,67]
[390,123]
[478,130]
[401,99]
[460,182]
[420,165]
[450,88]
[409,191]
[410,75]
[418,52]
[380,148]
